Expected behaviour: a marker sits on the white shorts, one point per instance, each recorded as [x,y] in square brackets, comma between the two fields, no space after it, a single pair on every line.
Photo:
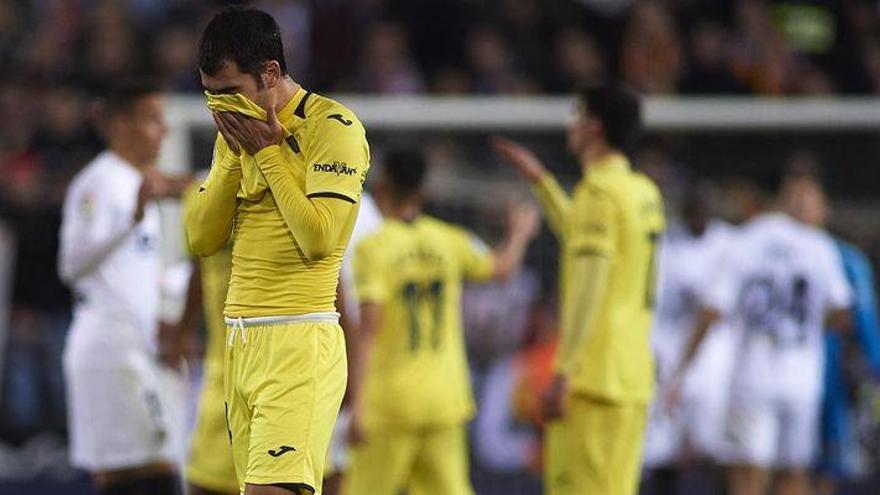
[694,428]
[780,433]
[121,417]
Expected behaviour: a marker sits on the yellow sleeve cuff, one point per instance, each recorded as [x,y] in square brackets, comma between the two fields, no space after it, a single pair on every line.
[270,155]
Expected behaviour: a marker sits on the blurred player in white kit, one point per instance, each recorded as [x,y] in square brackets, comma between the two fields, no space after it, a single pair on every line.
[687,417]
[118,410]
[784,281]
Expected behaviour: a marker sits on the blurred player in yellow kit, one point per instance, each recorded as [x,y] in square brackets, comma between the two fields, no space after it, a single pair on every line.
[285,185]
[410,391]
[597,405]
[209,469]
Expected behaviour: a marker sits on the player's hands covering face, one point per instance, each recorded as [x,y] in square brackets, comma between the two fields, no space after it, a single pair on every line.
[241,131]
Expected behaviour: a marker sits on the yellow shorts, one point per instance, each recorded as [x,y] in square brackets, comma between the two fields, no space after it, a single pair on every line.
[420,462]
[210,458]
[595,448]
[284,386]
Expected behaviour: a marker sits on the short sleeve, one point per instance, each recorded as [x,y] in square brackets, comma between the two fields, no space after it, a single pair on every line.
[476,259]
[723,291]
[337,158]
[91,213]
[595,224]
[370,276]
[839,291]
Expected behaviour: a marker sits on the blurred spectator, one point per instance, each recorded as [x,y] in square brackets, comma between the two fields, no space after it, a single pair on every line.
[709,72]
[579,63]
[508,429]
[810,47]
[760,59]
[295,19]
[173,55]
[492,64]
[109,48]
[386,64]
[651,58]
[451,81]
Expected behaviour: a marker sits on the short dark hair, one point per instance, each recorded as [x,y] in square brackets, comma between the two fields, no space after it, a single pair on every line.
[124,94]
[406,169]
[618,109]
[248,37]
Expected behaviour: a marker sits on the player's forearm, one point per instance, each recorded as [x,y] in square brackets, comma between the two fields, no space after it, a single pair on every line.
[208,223]
[192,308]
[175,186]
[704,321]
[316,223]
[509,255]
[839,319]
[554,202]
[82,254]
[589,278]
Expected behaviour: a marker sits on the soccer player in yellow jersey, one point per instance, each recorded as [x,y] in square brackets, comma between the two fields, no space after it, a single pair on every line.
[209,469]
[607,230]
[285,184]
[409,391]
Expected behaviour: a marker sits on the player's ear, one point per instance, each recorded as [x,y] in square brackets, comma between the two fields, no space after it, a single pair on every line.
[271,74]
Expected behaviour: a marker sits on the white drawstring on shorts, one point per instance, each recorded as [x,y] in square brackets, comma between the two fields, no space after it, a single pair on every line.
[236,326]
[239,324]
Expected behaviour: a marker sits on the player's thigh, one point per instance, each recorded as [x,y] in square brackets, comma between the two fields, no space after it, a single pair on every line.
[295,383]
[596,448]
[799,435]
[629,448]
[441,466]
[383,464]
[752,428]
[116,417]
[210,463]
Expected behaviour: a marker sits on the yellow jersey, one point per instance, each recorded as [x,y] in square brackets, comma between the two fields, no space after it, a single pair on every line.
[324,154]
[614,213]
[214,274]
[418,373]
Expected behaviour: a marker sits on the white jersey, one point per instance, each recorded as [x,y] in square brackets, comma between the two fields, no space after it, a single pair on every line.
[777,288]
[368,221]
[112,264]
[687,271]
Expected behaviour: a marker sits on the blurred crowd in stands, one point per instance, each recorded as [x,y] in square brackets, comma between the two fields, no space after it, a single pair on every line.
[58,56]
[770,47]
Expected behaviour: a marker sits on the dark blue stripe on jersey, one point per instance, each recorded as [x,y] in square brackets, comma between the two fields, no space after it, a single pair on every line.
[332,195]
[590,252]
[301,108]
[293,143]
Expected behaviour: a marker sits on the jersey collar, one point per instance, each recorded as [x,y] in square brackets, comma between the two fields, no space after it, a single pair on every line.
[294,111]
[122,165]
[610,163]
